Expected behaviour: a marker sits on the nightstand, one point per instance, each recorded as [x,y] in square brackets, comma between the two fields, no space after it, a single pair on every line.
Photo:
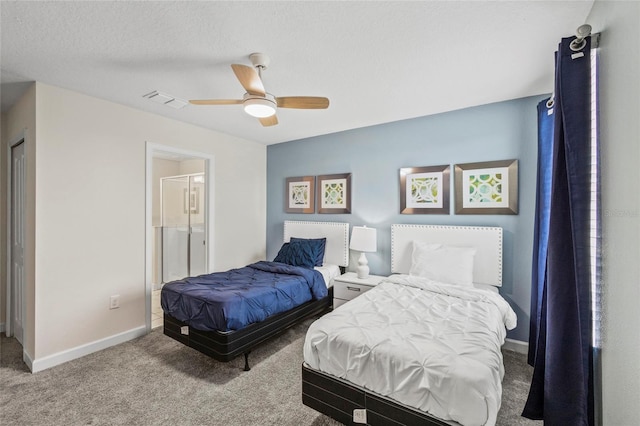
[348,286]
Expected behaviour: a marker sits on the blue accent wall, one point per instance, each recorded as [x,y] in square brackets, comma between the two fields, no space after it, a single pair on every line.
[374,156]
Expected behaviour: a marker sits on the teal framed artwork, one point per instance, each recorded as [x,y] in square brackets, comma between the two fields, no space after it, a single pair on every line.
[486,188]
[424,190]
[334,193]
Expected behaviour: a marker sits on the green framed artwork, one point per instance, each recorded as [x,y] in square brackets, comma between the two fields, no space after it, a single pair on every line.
[424,190]
[334,193]
[300,194]
[487,188]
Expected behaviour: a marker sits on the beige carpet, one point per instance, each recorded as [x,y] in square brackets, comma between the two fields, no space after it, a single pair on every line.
[154,380]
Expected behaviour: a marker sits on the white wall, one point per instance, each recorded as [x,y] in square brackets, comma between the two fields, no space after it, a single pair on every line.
[90,212]
[620,137]
[21,120]
[191,166]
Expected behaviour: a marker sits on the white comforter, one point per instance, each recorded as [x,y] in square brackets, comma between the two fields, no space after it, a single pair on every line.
[429,345]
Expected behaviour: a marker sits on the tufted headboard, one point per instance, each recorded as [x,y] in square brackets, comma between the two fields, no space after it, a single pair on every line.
[487,265]
[337,234]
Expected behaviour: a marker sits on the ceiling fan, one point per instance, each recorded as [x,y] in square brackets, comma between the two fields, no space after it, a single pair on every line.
[256,101]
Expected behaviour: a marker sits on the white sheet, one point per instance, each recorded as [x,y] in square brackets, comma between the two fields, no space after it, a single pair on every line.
[487,287]
[329,272]
[429,345]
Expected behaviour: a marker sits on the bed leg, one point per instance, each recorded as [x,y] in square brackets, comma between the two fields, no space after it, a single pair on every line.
[246,361]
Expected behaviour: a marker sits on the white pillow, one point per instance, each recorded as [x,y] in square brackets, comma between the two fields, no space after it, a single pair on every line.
[447,264]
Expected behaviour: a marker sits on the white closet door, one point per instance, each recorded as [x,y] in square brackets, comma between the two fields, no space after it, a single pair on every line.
[16,310]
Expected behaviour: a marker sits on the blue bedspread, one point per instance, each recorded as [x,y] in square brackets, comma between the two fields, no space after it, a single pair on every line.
[233,299]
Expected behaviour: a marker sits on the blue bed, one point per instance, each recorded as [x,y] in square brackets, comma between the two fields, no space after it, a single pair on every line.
[231,300]
[226,314]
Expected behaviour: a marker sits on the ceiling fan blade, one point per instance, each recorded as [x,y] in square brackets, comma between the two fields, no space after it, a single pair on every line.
[249,79]
[303,102]
[215,101]
[269,121]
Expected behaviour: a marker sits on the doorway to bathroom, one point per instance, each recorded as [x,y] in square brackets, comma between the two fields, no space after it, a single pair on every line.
[182,242]
[179,193]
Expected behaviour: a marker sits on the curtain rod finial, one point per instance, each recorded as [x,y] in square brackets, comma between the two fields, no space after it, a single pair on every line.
[583,31]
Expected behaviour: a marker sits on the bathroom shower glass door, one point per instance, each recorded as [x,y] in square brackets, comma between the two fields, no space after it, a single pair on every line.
[197,240]
[183,227]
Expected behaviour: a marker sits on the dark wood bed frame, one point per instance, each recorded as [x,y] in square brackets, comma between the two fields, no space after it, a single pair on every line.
[338,399]
[225,346]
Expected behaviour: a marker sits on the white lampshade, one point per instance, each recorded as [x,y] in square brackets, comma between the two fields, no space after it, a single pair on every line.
[363,239]
[259,107]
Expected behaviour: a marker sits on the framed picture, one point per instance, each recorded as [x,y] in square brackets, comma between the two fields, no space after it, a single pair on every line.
[191,200]
[424,190]
[487,188]
[300,194]
[334,193]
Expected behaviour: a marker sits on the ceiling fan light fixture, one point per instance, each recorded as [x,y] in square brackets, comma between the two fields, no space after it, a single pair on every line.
[256,101]
[259,107]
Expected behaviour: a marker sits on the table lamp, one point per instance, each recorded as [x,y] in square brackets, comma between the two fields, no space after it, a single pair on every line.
[364,240]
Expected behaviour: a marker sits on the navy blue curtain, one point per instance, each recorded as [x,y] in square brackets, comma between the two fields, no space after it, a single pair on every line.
[560,342]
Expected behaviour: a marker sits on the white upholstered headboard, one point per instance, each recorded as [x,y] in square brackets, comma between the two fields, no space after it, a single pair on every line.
[487,264]
[336,251]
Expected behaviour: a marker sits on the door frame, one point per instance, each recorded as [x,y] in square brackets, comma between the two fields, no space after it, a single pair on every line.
[154,150]
[17,140]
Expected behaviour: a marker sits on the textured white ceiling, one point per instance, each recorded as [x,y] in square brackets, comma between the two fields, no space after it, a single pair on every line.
[376,61]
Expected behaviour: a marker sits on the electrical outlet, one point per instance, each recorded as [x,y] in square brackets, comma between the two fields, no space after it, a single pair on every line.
[360,415]
[114,302]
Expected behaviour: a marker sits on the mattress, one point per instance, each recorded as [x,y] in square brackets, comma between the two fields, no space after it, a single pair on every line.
[329,272]
[231,300]
[428,345]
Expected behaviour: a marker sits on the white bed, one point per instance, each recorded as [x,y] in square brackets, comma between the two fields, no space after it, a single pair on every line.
[428,345]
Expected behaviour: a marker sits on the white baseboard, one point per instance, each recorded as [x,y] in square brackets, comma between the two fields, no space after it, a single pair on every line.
[49,361]
[26,358]
[516,346]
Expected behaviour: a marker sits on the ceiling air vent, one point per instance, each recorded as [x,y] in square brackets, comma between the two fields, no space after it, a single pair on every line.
[163,98]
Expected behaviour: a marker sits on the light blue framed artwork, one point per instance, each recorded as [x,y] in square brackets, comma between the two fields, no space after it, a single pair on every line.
[334,193]
[487,188]
[425,190]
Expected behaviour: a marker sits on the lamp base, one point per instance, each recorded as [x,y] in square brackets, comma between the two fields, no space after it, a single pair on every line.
[363,267]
